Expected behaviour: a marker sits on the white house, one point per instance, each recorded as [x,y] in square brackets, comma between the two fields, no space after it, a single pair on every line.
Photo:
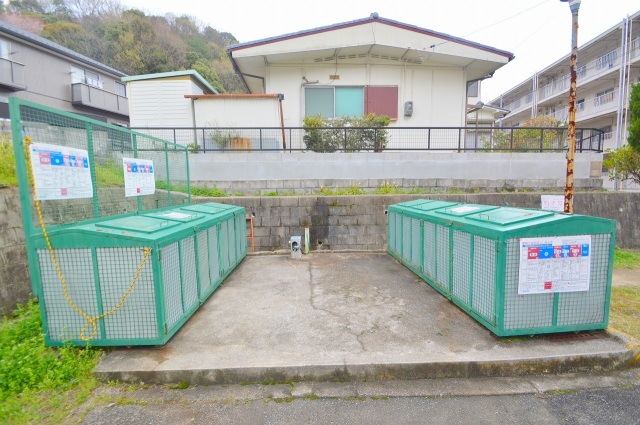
[416,76]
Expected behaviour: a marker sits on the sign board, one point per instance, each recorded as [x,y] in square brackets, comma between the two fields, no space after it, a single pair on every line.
[554,264]
[139,177]
[552,202]
[60,172]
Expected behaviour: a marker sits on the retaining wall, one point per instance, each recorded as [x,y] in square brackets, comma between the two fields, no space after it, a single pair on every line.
[306,172]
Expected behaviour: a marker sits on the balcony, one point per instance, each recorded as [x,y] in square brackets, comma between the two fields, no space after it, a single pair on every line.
[599,104]
[589,71]
[12,75]
[94,97]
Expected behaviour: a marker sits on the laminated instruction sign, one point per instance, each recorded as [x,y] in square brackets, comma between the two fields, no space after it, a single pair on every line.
[60,172]
[554,264]
[139,178]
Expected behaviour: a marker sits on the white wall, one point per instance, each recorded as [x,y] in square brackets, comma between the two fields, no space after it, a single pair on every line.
[438,94]
[160,103]
[548,167]
[237,112]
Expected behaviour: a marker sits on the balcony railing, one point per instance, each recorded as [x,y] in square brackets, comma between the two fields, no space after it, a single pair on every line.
[12,75]
[589,107]
[356,139]
[94,97]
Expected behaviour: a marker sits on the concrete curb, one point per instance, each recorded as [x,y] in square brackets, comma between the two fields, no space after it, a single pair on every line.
[595,363]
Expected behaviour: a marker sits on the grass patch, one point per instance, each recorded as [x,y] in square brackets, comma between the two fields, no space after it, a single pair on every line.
[39,384]
[109,173]
[211,192]
[342,191]
[624,314]
[8,176]
[627,259]
[182,385]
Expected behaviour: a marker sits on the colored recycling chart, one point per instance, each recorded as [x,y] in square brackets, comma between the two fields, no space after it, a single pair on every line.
[554,264]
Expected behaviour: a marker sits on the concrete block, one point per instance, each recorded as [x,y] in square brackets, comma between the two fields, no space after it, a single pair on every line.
[307,201]
[348,221]
[310,184]
[270,201]
[289,201]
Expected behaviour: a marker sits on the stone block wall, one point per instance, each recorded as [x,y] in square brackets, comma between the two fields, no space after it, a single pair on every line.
[15,284]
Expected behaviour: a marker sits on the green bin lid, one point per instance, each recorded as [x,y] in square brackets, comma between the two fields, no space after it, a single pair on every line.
[433,205]
[138,223]
[462,210]
[175,215]
[209,208]
[505,216]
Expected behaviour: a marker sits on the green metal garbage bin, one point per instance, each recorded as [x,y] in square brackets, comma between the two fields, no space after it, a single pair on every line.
[516,271]
[105,269]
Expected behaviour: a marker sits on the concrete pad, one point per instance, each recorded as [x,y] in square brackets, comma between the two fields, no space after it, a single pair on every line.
[342,317]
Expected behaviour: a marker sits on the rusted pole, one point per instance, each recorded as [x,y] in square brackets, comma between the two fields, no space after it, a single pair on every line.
[280,98]
[571,150]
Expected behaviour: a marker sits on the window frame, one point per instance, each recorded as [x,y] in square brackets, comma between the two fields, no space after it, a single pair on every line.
[370,94]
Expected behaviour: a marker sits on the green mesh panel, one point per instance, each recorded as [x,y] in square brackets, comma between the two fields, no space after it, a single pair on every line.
[429,261]
[442,257]
[586,306]
[117,268]
[484,277]
[203,263]
[214,255]
[189,279]
[461,265]
[171,284]
[63,322]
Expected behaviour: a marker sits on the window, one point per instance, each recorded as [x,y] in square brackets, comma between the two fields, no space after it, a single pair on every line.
[604,97]
[5,49]
[333,102]
[83,76]
[120,89]
[580,105]
[472,89]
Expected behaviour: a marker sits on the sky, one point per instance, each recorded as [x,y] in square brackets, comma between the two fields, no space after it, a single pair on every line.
[538,32]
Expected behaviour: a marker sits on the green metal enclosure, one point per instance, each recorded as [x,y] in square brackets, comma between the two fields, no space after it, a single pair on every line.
[516,271]
[118,254]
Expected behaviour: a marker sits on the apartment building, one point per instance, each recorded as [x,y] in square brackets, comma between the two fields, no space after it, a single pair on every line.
[607,67]
[39,70]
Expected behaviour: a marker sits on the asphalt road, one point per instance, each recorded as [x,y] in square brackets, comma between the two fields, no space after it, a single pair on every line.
[273,404]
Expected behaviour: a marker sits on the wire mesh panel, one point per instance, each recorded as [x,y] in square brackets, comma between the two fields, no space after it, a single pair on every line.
[416,244]
[484,277]
[172,287]
[462,262]
[214,255]
[442,256]
[189,278]
[429,250]
[392,234]
[63,321]
[586,306]
[117,268]
[204,276]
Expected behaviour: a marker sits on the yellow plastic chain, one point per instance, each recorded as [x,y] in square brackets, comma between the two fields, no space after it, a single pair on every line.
[90,320]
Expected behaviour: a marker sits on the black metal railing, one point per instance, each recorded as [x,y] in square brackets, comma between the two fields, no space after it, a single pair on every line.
[378,139]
